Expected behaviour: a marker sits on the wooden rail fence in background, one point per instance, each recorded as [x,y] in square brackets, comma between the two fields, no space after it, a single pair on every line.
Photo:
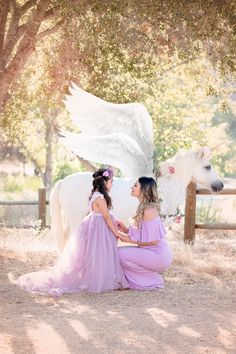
[190,213]
[42,203]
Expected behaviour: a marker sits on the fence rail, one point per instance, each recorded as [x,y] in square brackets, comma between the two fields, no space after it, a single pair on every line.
[190,212]
[190,225]
[42,202]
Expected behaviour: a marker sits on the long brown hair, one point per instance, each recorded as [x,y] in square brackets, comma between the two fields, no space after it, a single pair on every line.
[99,179]
[149,198]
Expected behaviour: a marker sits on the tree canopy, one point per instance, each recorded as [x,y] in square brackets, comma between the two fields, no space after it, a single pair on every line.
[172,56]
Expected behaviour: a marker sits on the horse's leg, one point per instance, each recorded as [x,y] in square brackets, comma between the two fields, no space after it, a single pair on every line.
[56,217]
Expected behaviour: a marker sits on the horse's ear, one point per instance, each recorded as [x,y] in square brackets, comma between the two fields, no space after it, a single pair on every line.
[204,153]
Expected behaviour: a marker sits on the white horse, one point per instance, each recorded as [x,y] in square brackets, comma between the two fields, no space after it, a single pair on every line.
[69,197]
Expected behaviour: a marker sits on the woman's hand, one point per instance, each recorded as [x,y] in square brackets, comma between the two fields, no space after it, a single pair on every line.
[121,226]
[124,238]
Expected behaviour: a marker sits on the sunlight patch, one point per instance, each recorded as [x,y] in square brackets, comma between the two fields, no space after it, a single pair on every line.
[161,317]
[80,328]
[226,338]
[187,331]
[44,336]
[6,343]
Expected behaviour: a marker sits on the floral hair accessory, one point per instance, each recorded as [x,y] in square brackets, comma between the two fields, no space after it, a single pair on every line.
[171,170]
[178,219]
[108,173]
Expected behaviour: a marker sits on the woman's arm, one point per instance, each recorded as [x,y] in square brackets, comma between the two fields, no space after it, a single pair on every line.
[149,214]
[125,238]
[102,207]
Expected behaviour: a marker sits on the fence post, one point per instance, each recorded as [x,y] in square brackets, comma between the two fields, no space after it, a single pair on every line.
[42,206]
[190,213]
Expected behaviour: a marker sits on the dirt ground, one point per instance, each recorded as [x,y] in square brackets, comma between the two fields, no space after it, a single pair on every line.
[195,313]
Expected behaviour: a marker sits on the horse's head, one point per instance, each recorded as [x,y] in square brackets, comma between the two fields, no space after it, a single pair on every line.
[203,171]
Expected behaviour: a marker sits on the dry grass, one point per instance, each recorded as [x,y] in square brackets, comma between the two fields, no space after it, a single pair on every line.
[212,257]
[195,313]
[213,254]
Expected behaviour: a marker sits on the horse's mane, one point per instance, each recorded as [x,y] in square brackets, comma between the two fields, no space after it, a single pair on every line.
[172,187]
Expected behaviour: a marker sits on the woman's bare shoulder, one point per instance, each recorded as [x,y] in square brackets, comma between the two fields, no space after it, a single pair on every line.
[150,213]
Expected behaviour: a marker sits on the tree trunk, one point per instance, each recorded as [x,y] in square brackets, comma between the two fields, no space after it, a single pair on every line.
[48,160]
[4,9]
[24,42]
[87,165]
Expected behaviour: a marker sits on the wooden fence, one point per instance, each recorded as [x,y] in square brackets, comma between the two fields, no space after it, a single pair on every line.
[190,213]
[42,202]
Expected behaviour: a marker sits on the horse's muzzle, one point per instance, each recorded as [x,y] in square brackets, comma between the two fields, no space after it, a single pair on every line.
[217,186]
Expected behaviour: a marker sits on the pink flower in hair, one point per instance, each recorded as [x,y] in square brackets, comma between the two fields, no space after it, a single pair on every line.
[171,170]
[105,173]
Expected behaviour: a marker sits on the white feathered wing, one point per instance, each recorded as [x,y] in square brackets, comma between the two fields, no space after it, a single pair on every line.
[120,135]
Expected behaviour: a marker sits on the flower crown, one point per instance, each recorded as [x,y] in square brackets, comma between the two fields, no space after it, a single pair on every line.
[108,173]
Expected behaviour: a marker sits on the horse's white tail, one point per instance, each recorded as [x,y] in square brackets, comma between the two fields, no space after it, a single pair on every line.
[57,217]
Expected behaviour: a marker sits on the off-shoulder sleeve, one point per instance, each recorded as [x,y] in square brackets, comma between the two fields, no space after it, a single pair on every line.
[134,233]
[152,230]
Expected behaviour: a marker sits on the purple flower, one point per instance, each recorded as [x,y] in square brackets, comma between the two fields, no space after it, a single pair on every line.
[108,173]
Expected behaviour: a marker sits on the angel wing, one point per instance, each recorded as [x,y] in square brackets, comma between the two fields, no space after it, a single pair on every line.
[110,150]
[98,117]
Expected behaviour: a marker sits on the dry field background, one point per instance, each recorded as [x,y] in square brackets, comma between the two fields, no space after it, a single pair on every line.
[195,313]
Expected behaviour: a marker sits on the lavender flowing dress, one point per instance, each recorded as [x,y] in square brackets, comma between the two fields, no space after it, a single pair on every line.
[142,265]
[89,262]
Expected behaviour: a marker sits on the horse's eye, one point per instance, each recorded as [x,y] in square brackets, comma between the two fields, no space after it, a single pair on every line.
[207,167]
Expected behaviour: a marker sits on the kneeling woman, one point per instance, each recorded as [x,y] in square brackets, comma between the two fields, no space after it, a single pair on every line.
[142,265]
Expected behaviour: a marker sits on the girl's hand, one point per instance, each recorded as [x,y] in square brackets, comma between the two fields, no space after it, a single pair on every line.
[121,226]
[117,235]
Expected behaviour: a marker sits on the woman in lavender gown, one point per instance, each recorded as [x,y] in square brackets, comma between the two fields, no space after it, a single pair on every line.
[152,255]
[90,261]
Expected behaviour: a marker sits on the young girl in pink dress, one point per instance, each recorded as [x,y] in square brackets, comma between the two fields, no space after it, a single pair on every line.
[90,261]
[142,265]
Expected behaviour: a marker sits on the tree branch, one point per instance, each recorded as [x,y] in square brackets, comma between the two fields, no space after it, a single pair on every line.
[21,30]
[31,158]
[11,37]
[51,13]
[49,30]
[16,32]
[24,8]
[13,4]
[159,76]
[10,67]
[4,8]
[28,41]
[85,163]
[11,43]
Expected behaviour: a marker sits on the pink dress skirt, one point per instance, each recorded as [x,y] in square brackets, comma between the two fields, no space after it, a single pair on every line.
[142,265]
[89,262]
